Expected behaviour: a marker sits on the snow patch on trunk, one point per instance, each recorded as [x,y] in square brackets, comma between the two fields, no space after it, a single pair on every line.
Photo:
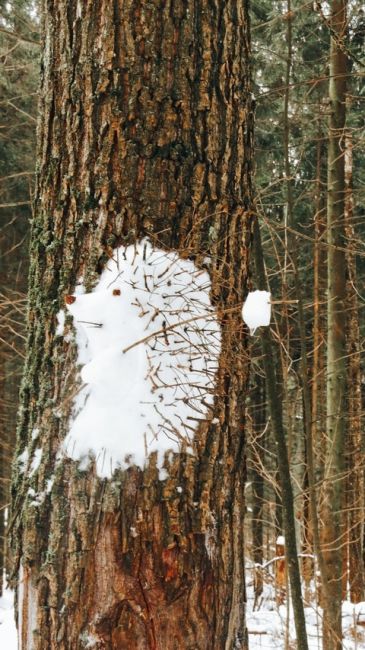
[36,460]
[148,342]
[60,322]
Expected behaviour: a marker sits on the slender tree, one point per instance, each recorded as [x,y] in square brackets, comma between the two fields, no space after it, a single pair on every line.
[255,463]
[336,334]
[355,456]
[275,408]
[145,131]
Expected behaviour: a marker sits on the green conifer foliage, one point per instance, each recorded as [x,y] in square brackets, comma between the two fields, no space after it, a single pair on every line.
[18,107]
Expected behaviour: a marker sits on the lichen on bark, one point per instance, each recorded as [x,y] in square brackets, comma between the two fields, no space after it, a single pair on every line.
[145,130]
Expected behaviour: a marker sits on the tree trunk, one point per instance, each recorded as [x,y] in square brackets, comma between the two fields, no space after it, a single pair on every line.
[304,460]
[255,466]
[319,318]
[318,386]
[276,414]
[355,454]
[336,341]
[145,131]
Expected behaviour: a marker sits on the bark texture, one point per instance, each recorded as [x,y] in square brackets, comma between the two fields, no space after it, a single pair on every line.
[145,130]
[336,341]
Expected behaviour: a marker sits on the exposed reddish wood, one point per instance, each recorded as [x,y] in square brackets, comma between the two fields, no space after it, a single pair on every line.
[280,574]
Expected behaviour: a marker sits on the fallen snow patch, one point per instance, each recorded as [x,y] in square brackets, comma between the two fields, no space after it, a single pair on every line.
[8,631]
[148,343]
[256,311]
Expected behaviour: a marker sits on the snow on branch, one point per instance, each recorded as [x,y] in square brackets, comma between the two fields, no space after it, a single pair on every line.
[256,311]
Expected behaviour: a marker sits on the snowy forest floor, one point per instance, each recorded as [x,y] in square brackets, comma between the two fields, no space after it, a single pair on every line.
[270,626]
[8,632]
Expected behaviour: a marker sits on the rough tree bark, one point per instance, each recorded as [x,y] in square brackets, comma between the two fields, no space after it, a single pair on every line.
[145,130]
[336,324]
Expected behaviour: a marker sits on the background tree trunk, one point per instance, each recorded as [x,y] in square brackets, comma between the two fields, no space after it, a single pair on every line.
[255,464]
[355,454]
[336,341]
[276,414]
[145,130]
[318,387]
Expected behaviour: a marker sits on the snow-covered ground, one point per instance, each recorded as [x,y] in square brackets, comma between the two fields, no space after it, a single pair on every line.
[8,633]
[271,626]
